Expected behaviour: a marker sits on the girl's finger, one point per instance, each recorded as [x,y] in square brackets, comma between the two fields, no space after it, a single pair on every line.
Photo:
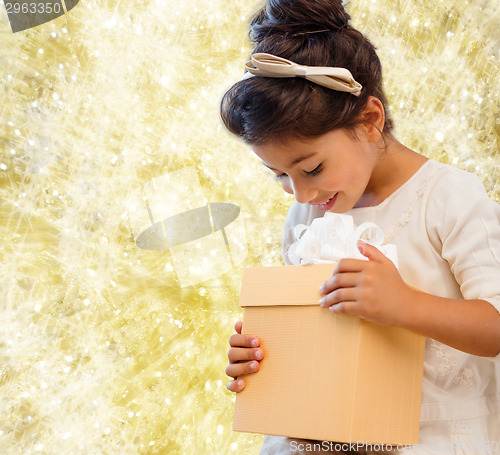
[337,296]
[243,341]
[237,369]
[372,253]
[238,326]
[343,308]
[350,265]
[340,280]
[236,386]
[238,354]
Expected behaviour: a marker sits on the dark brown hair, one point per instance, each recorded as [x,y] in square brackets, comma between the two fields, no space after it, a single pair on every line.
[308,32]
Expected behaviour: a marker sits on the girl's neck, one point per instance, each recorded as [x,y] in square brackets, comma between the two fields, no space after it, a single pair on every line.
[395,166]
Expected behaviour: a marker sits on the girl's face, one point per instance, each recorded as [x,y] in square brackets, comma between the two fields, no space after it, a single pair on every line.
[334,172]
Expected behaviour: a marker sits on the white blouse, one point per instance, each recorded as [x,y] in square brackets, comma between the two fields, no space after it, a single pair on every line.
[447,231]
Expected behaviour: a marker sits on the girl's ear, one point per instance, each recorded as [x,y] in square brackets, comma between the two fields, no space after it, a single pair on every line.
[373,119]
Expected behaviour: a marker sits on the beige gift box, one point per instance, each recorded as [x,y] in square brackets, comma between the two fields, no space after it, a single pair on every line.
[324,376]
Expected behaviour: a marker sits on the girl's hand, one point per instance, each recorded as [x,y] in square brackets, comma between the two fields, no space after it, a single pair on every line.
[372,290]
[244,357]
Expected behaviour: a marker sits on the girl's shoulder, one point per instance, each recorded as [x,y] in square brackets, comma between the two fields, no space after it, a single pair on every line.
[451,185]
[457,201]
[450,172]
[434,182]
[434,178]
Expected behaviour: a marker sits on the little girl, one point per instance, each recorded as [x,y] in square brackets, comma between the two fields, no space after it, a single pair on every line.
[311,106]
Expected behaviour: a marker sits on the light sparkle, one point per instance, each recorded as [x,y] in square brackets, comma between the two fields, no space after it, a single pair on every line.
[100,338]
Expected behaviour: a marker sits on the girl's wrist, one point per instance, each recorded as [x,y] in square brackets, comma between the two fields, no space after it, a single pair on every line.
[408,314]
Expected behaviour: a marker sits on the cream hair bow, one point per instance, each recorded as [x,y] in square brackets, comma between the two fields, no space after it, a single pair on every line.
[267,65]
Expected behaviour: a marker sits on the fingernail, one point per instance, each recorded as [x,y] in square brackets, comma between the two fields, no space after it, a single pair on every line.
[335,308]
[322,288]
[322,301]
[253,366]
[255,343]
[361,246]
[258,355]
[241,383]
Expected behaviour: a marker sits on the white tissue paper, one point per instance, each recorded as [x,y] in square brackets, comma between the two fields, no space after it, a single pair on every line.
[334,237]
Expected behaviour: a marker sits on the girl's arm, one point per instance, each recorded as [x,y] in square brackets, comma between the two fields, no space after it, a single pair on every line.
[374,290]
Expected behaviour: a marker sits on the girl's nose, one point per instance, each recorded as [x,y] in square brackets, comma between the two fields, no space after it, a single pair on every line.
[303,191]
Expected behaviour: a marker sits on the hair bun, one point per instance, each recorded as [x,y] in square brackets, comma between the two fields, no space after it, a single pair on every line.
[298,17]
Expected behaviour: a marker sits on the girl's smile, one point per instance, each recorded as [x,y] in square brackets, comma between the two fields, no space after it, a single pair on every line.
[328,204]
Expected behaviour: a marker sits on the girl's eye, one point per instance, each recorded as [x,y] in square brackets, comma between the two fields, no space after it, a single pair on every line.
[280,176]
[315,171]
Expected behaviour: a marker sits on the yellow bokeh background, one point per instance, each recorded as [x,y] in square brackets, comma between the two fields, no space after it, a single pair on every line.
[101,348]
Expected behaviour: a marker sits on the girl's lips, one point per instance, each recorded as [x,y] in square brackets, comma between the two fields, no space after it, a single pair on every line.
[328,204]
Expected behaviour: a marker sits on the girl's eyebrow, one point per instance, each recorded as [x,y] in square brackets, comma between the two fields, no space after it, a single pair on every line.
[269,167]
[293,163]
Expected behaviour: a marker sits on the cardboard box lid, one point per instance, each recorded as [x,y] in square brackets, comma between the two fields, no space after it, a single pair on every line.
[266,286]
